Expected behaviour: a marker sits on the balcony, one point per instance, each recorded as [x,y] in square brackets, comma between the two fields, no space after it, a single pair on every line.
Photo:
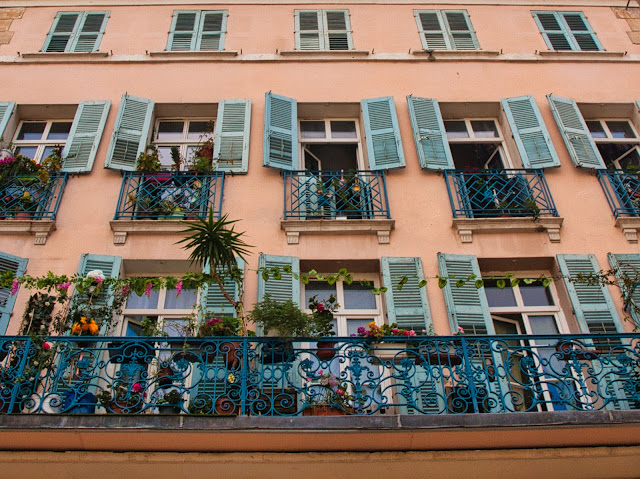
[153,203]
[622,190]
[237,376]
[30,206]
[336,202]
[512,200]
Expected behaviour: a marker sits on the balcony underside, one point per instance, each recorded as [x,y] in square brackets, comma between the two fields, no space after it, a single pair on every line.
[466,227]
[122,228]
[379,227]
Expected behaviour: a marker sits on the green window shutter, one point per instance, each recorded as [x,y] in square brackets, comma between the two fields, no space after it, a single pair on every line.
[18,265]
[183,34]
[530,133]
[409,306]
[429,134]
[109,265]
[213,301]
[309,34]
[6,110]
[86,131]
[288,286]
[592,303]
[280,132]
[579,29]
[575,133]
[338,31]
[467,305]
[89,35]
[130,133]
[553,30]
[566,31]
[628,265]
[384,144]
[231,146]
[213,26]
[461,33]
[432,33]
[62,30]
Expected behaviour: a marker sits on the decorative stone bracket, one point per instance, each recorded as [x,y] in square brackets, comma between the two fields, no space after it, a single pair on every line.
[40,228]
[294,228]
[467,226]
[122,228]
[629,227]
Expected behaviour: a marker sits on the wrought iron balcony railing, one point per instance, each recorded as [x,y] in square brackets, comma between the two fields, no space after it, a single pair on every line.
[496,193]
[169,195]
[622,190]
[327,194]
[270,376]
[26,197]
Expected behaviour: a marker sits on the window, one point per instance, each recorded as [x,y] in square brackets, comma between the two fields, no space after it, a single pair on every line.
[617,142]
[197,30]
[37,139]
[446,30]
[330,144]
[323,30]
[76,32]
[183,134]
[566,31]
[476,143]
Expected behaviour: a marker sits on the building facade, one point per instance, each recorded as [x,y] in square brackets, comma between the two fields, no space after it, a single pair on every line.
[401,141]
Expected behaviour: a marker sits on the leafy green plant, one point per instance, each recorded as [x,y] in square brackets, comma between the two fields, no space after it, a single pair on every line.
[219,326]
[285,318]
[148,160]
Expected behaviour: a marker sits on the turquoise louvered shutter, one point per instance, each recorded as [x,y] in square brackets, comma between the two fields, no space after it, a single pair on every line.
[213,26]
[130,133]
[182,36]
[76,32]
[6,110]
[109,265]
[384,145]
[530,133]
[280,132]
[338,31]
[287,286]
[86,131]
[213,301]
[429,134]
[466,304]
[90,32]
[575,133]
[18,265]
[409,306]
[231,146]
[59,37]
[308,30]
[432,33]
[566,31]
[461,33]
[592,303]
[628,266]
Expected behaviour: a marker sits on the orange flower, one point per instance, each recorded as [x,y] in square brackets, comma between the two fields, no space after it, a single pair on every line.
[93,328]
[75,329]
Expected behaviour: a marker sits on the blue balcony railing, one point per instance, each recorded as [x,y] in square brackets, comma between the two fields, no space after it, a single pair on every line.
[169,195]
[25,197]
[272,377]
[495,193]
[335,194]
[622,190]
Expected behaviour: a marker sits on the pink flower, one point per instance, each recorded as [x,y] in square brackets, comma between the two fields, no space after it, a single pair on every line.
[341,392]
[406,333]
[412,333]
[320,307]
[148,289]
[64,286]
[136,388]
[178,288]
[46,346]
[394,330]
[14,287]
[125,290]
[460,329]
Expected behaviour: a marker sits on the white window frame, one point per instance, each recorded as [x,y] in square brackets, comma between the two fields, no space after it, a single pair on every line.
[611,140]
[328,139]
[499,140]
[40,144]
[183,143]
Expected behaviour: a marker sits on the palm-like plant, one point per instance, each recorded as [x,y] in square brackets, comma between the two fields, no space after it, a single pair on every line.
[216,243]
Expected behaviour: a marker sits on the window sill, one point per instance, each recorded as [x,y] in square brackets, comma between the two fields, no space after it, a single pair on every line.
[325,53]
[204,54]
[40,228]
[630,228]
[579,54]
[64,56]
[294,228]
[467,226]
[433,55]
[122,228]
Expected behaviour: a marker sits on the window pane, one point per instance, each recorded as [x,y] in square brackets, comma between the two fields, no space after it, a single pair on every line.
[343,129]
[164,154]
[358,296]
[596,129]
[456,129]
[312,129]
[323,290]
[174,327]
[31,131]
[186,300]
[170,130]
[499,297]
[354,324]
[620,129]
[484,129]
[200,130]
[543,324]
[134,325]
[28,151]
[47,151]
[535,295]
[59,130]
[142,302]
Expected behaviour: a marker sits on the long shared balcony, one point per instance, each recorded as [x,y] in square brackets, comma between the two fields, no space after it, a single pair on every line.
[427,375]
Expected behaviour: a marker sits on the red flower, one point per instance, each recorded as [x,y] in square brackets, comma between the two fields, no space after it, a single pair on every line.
[320,307]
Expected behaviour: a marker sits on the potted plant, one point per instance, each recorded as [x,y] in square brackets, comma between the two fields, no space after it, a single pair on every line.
[170,403]
[326,395]
[284,319]
[26,206]
[124,400]
[322,325]
[225,326]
